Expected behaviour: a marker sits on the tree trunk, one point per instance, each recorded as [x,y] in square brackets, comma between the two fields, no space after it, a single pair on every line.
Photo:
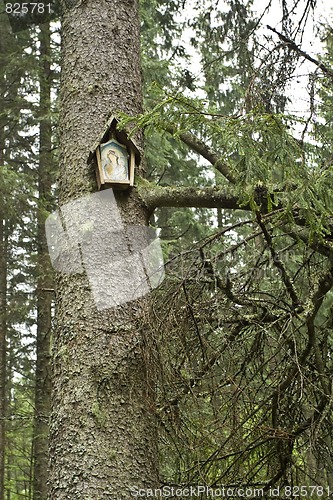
[3,350]
[45,280]
[103,429]
[3,283]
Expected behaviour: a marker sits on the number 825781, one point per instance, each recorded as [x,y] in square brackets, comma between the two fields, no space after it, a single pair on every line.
[26,8]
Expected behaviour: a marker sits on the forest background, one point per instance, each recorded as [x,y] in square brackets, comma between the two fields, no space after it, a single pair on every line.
[241,327]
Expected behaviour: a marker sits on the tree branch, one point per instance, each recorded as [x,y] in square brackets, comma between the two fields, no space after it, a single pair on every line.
[218,197]
[178,196]
[293,46]
[202,149]
[278,263]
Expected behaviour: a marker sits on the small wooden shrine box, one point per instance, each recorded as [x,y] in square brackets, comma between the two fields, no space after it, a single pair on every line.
[115,157]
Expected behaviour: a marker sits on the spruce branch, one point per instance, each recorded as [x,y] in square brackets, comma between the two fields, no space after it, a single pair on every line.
[179,196]
[293,46]
[205,151]
[278,263]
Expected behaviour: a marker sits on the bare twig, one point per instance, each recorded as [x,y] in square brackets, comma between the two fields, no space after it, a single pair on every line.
[325,69]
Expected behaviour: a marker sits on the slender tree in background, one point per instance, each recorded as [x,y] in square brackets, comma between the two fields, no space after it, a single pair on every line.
[44,273]
[3,337]
[18,190]
[3,266]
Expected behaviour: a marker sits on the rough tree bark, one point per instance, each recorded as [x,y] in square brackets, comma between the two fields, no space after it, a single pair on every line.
[103,430]
[45,279]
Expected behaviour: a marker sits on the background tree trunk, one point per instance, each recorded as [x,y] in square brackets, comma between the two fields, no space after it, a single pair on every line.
[103,432]
[3,350]
[45,279]
[3,280]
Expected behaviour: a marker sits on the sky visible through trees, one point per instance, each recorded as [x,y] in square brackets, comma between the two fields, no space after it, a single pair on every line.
[270,14]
